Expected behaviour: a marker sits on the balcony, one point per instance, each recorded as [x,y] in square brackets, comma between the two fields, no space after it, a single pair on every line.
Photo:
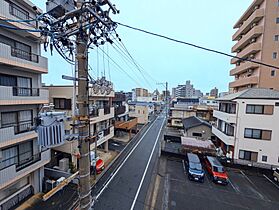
[15,172]
[99,94]
[228,140]
[107,134]
[254,18]
[253,80]
[243,68]
[226,117]
[252,34]
[16,134]
[21,96]
[102,114]
[21,59]
[10,11]
[250,49]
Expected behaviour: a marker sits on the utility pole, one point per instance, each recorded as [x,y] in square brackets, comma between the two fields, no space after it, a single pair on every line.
[84,123]
[166,101]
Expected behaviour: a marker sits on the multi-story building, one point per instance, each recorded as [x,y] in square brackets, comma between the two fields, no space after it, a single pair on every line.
[187,91]
[101,113]
[22,161]
[214,92]
[247,128]
[140,92]
[257,37]
[141,110]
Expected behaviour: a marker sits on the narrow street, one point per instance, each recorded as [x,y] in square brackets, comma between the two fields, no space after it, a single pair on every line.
[127,186]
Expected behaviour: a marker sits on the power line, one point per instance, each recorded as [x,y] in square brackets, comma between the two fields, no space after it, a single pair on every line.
[196,46]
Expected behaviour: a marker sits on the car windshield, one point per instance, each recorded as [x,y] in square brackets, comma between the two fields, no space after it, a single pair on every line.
[195,166]
[219,169]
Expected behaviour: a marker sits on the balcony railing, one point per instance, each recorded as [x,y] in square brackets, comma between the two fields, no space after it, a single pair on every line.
[22,91]
[21,127]
[94,112]
[19,53]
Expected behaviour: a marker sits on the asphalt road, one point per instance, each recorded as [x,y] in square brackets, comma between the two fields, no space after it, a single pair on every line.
[127,186]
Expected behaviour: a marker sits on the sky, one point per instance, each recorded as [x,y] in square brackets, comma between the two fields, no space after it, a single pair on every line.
[202,22]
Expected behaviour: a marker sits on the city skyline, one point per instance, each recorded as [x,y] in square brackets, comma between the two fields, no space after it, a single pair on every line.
[170,63]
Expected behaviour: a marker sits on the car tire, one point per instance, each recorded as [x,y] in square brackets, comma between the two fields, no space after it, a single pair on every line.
[275,179]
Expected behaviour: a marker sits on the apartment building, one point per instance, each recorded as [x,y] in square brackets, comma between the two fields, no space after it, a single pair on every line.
[139,92]
[22,161]
[101,114]
[187,90]
[247,127]
[214,92]
[141,110]
[257,37]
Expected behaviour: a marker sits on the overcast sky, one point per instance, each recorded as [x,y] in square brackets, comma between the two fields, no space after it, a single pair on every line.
[202,22]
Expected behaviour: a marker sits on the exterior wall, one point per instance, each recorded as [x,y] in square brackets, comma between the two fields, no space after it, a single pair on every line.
[202,129]
[263,122]
[264,14]
[140,112]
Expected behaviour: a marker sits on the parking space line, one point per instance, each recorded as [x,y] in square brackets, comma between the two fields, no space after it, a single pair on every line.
[271,181]
[252,183]
[183,164]
[234,187]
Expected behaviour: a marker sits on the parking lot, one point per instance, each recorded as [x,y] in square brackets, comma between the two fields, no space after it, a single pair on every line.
[244,191]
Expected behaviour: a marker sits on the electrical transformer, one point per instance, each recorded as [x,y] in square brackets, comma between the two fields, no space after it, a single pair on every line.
[58,8]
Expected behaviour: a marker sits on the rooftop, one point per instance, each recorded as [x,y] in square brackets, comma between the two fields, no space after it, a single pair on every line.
[252,93]
[193,121]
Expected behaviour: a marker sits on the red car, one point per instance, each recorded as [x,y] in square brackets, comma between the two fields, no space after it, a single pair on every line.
[216,170]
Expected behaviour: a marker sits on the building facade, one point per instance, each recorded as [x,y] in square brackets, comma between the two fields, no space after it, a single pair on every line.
[22,161]
[246,128]
[140,92]
[141,110]
[214,92]
[101,114]
[187,91]
[257,37]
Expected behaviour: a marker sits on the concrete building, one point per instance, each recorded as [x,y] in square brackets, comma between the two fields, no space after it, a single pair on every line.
[187,91]
[209,101]
[247,128]
[257,37]
[214,92]
[196,128]
[101,113]
[22,161]
[139,92]
[141,110]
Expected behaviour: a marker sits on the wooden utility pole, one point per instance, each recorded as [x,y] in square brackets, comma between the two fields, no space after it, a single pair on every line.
[83,116]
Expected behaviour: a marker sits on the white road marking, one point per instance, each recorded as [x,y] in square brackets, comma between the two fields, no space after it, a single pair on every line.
[113,175]
[146,168]
[271,181]
[252,183]
[234,187]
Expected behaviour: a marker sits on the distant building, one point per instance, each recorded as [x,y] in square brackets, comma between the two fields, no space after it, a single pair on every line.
[209,101]
[140,92]
[247,127]
[256,37]
[141,111]
[214,92]
[187,91]
[222,94]
[129,96]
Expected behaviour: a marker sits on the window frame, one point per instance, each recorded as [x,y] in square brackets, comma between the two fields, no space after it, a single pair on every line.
[255,136]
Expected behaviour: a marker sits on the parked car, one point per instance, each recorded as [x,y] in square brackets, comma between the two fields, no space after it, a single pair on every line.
[276,175]
[194,168]
[216,170]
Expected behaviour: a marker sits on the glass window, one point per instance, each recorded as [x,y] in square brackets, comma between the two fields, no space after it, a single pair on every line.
[256,134]
[197,134]
[274,55]
[241,154]
[9,157]
[272,73]
[259,109]
[264,158]
[250,109]
[276,38]
[277,20]
[248,133]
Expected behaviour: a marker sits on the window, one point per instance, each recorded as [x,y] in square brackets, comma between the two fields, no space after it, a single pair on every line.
[274,55]
[257,134]
[197,134]
[264,158]
[247,155]
[259,109]
[18,12]
[277,20]
[62,103]
[276,38]
[272,73]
